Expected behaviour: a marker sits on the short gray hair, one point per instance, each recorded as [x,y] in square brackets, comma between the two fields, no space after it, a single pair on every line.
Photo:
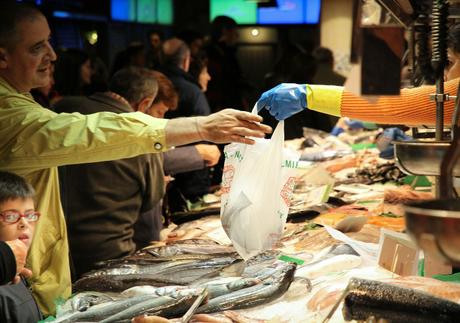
[175,51]
[134,84]
[11,14]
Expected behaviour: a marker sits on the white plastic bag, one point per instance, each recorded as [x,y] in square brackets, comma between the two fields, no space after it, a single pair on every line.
[257,184]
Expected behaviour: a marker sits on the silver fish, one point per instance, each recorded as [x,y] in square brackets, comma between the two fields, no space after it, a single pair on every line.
[175,273]
[265,292]
[164,305]
[101,311]
[82,301]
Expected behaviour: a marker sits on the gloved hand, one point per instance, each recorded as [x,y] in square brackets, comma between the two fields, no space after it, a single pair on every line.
[354,124]
[384,141]
[284,100]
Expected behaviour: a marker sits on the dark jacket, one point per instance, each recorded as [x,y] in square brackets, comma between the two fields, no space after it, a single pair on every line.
[7,264]
[327,76]
[175,161]
[18,305]
[227,87]
[102,201]
[192,101]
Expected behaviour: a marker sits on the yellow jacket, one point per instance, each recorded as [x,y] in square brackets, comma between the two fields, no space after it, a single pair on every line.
[34,141]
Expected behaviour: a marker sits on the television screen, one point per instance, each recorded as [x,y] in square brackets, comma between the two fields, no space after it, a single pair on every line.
[290,12]
[146,11]
[123,10]
[165,12]
[242,11]
[312,11]
[143,11]
[287,12]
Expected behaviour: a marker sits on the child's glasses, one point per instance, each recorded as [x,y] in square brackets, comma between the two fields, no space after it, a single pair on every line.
[13,216]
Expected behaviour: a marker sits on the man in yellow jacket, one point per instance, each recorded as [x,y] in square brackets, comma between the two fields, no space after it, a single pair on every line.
[34,140]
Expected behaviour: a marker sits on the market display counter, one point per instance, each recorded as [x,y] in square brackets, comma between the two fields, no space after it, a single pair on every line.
[326,265]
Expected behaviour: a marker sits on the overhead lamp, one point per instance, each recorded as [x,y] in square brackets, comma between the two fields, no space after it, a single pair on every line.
[92,37]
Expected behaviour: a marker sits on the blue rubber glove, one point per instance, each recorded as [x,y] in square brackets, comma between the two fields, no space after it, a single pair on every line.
[284,100]
[354,124]
[384,141]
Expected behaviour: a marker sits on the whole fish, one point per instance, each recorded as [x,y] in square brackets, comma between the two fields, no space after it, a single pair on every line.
[366,298]
[117,279]
[338,258]
[186,248]
[148,258]
[215,290]
[98,312]
[165,306]
[265,292]
[82,301]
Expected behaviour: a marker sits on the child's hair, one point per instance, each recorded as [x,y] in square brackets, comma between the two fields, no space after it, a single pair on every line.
[13,186]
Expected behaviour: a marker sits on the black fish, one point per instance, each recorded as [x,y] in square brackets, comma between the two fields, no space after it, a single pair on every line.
[366,298]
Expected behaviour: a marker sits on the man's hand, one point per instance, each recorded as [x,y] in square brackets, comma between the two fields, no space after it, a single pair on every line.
[284,100]
[231,126]
[209,153]
[20,253]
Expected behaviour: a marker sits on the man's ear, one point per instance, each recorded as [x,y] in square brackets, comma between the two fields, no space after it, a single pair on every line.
[144,104]
[3,58]
[186,63]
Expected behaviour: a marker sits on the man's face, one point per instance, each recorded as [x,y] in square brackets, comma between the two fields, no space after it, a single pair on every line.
[22,230]
[155,40]
[158,110]
[26,65]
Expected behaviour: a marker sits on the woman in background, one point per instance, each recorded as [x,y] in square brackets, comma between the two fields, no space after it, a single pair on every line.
[72,72]
[199,70]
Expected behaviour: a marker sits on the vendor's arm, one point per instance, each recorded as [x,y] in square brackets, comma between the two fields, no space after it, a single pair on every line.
[412,106]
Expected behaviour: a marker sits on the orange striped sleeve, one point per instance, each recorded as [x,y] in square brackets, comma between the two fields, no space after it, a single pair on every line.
[411,107]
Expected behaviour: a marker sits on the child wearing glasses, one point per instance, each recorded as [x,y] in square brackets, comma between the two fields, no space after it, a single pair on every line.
[17,221]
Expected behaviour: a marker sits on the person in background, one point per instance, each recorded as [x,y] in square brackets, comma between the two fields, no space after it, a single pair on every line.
[199,70]
[193,39]
[36,140]
[100,213]
[133,55]
[175,161]
[99,77]
[153,56]
[192,102]
[325,73]
[412,107]
[17,221]
[72,72]
[296,65]
[228,86]
[135,186]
